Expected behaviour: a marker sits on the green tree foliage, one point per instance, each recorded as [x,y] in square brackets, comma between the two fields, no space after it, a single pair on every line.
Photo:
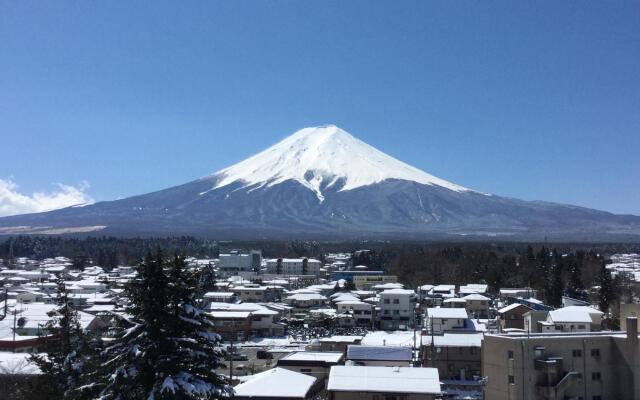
[168,349]
[69,353]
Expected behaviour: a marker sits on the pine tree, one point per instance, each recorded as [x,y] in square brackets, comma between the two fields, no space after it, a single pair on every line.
[575,288]
[168,350]
[70,353]
[606,292]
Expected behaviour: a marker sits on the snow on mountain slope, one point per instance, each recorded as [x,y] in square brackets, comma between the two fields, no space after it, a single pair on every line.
[321,157]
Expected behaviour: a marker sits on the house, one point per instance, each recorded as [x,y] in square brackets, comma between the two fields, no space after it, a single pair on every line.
[477,305]
[277,383]
[397,309]
[524,293]
[338,343]
[371,383]
[232,325]
[573,319]
[440,320]
[388,356]
[220,297]
[512,316]
[362,312]
[33,316]
[305,301]
[312,363]
[457,356]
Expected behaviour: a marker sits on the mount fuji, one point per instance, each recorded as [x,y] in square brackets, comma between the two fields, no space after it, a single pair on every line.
[322,182]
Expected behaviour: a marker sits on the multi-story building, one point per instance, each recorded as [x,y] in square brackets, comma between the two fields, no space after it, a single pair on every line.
[362,312]
[457,356]
[234,262]
[366,282]
[555,366]
[477,305]
[397,309]
[439,320]
[294,266]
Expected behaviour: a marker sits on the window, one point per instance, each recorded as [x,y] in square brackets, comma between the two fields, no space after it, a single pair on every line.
[386,301]
[396,312]
[510,354]
[580,326]
[396,301]
[386,312]
[511,380]
[595,376]
[595,352]
[577,353]
[596,397]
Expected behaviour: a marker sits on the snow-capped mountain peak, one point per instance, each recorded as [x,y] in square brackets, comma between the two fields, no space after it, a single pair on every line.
[321,157]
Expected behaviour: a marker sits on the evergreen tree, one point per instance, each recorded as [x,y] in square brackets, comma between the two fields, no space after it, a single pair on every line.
[169,349]
[575,288]
[556,286]
[70,353]
[606,292]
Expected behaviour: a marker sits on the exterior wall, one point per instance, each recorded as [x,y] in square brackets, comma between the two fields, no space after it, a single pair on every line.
[442,325]
[366,282]
[362,313]
[460,363]
[478,308]
[378,396]
[294,266]
[515,370]
[397,310]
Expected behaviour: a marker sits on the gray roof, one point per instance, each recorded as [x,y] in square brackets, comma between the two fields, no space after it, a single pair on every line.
[379,353]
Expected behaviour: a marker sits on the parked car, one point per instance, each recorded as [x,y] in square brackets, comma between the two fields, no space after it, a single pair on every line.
[237,357]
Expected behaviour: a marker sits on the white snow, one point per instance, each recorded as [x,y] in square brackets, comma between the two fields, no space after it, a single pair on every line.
[384,379]
[276,383]
[323,155]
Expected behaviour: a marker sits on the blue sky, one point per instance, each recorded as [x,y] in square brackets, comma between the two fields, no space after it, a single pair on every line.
[535,100]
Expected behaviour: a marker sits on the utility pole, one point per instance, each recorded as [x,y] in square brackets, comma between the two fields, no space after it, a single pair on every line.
[231,359]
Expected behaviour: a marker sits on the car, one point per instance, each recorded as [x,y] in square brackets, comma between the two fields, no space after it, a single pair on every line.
[237,357]
[264,355]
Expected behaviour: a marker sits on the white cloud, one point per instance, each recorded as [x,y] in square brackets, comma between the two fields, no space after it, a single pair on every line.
[13,202]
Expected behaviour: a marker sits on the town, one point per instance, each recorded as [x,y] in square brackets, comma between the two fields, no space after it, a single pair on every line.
[301,328]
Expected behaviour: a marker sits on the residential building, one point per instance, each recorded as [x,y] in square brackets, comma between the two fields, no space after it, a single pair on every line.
[440,320]
[234,262]
[294,266]
[377,383]
[477,305]
[388,356]
[312,363]
[512,316]
[457,356]
[277,383]
[362,312]
[366,282]
[397,309]
[556,366]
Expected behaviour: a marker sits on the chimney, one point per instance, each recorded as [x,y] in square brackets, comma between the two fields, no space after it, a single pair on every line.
[632,328]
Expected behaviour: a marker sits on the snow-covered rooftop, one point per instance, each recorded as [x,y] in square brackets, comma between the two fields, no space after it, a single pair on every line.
[349,378]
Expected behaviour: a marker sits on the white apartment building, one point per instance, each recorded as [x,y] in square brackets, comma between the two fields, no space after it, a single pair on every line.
[294,266]
[235,262]
[397,309]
